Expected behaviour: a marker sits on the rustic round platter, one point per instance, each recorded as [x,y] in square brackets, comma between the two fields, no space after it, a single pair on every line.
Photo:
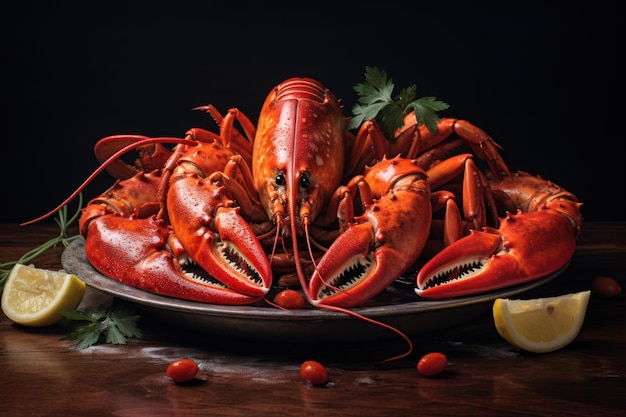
[398,306]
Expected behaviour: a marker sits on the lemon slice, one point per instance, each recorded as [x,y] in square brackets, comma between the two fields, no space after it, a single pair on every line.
[32,296]
[542,324]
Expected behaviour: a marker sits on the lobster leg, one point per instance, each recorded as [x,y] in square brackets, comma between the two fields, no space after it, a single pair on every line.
[235,140]
[414,140]
[474,210]
[475,196]
[376,249]
[133,251]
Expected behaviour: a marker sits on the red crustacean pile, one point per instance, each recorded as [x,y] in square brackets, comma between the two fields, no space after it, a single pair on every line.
[330,204]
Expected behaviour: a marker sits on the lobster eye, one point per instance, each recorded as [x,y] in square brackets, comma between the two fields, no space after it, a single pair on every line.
[305,181]
[280,179]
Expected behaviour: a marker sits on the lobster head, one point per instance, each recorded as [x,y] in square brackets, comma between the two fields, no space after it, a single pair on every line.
[298,153]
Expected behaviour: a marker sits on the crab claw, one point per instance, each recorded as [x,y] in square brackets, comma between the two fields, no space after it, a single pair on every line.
[526,247]
[134,252]
[216,237]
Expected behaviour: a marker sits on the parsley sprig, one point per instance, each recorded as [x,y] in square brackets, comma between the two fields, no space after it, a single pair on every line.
[113,324]
[376,101]
[63,238]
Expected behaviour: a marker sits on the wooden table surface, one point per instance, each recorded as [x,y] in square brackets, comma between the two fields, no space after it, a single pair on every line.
[44,376]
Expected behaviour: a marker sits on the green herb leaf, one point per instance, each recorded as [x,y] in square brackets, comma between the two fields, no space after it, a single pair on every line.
[114,324]
[375,94]
[31,255]
[74,315]
[376,102]
[87,335]
[126,322]
[115,336]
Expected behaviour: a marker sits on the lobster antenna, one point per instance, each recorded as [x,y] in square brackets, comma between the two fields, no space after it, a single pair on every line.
[101,168]
[308,244]
[377,323]
[353,313]
[276,237]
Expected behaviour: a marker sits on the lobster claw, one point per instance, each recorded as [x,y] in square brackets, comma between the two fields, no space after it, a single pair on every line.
[381,244]
[216,237]
[526,247]
[348,274]
[133,251]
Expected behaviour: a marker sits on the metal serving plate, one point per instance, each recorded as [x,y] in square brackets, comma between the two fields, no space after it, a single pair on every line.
[398,306]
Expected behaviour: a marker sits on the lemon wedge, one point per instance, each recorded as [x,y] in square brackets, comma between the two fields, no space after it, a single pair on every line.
[542,324]
[32,296]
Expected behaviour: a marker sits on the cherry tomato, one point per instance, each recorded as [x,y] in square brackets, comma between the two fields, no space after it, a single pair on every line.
[432,364]
[605,287]
[182,370]
[290,299]
[314,373]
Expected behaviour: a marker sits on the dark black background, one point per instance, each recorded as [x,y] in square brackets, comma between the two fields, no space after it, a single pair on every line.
[541,79]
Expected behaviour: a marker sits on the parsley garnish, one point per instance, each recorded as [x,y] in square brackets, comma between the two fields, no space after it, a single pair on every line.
[114,325]
[376,101]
